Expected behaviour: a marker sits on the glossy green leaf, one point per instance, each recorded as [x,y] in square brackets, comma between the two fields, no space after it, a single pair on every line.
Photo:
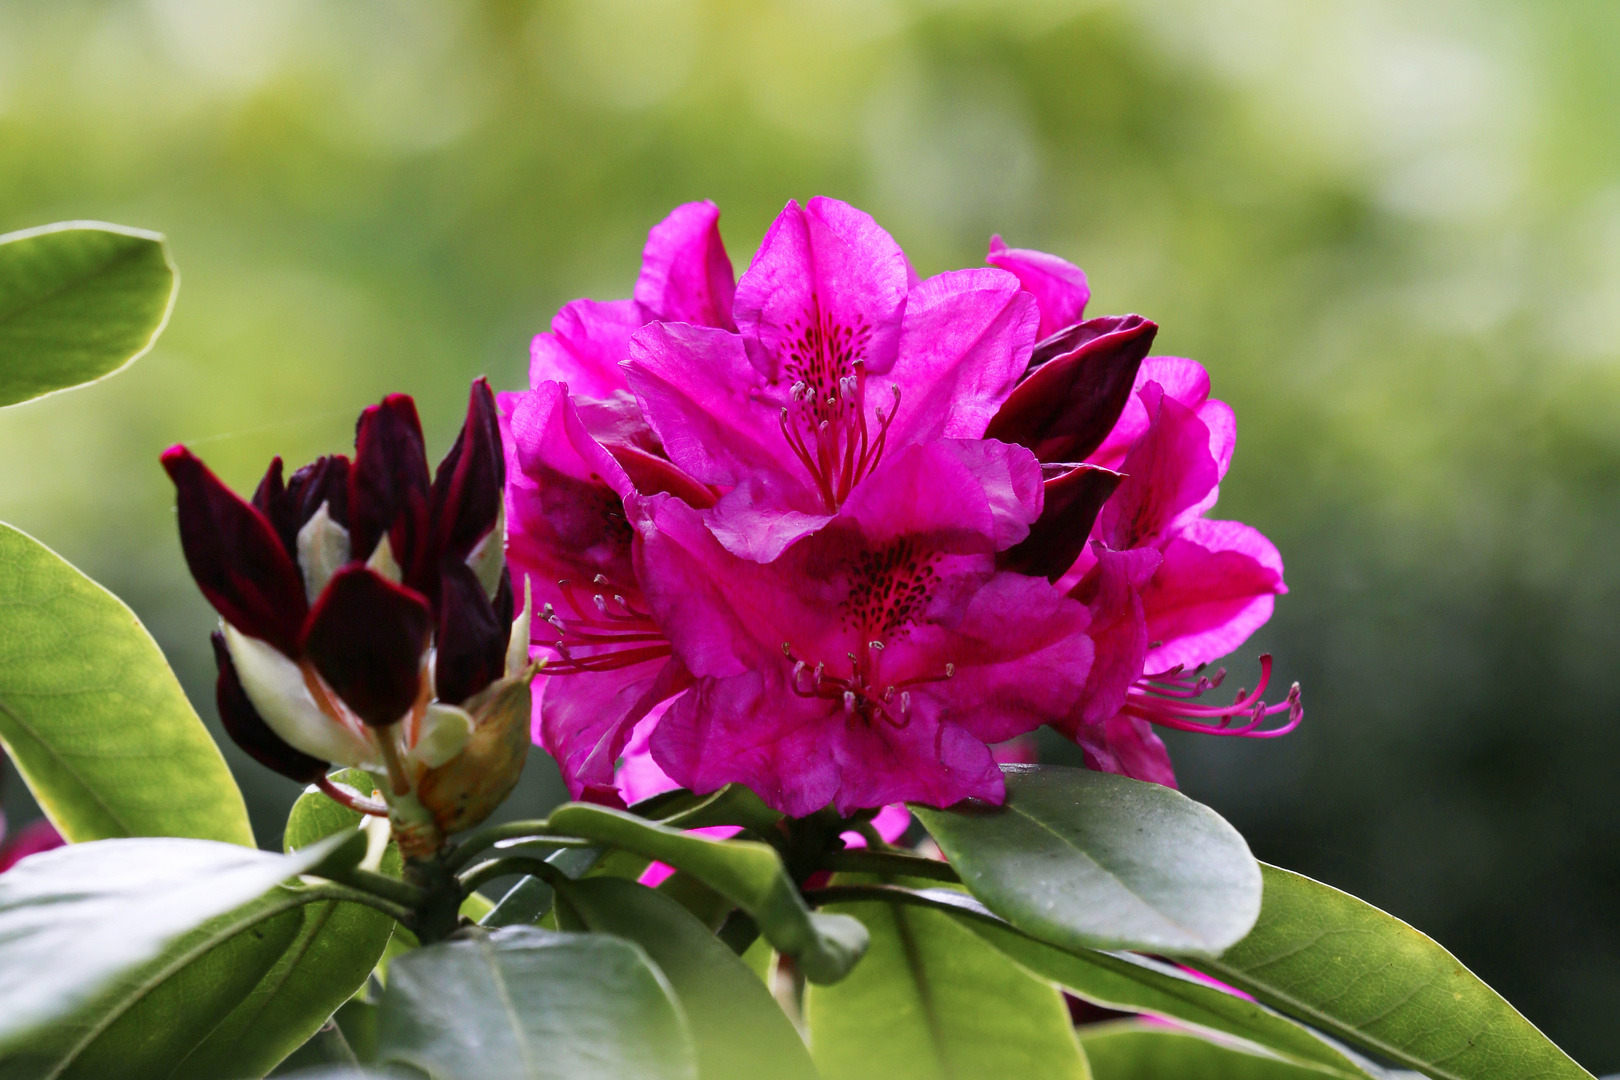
[335,947]
[747,873]
[78,301]
[1133,1051]
[931,1001]
[1342,965]
[738,1029]
[528,1004]
[1131,983]
[326,1049]
[92,716]
[90,930]
[1088,859]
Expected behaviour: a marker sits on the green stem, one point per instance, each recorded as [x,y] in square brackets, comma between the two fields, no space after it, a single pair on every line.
[401,893]
[335,891]
[890,863]
[510,864]
[484,839]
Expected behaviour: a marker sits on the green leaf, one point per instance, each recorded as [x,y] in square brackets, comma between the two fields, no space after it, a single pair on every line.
[1132,1051]
[745,872]
[92,716]
[1344,966]
[1088,859]
[1136,984]
[529,1004]
[89,930]
[335,947]
[78,301]
[522,905]
[737,1028]
[932,1002]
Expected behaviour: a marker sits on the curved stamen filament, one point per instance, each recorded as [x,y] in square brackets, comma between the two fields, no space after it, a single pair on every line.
[859,693]
[829,433]
[1164,699]
[607,632]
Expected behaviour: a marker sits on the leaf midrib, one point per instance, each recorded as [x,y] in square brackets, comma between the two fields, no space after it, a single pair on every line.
[154,980]
[32,302]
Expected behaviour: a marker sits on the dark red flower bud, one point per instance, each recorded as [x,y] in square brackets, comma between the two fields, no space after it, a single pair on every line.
[1066,406]
[247,728]
[366,637]
[1073,500]
[466,498]
[472,633]
[388,484]
[239,562]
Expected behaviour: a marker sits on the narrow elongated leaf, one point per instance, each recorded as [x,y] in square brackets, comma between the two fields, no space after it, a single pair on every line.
[747,873]
[333,951]
[933,1002]
[1132,1051]
[92,716]
[527,1004]
[78,301]
[1088,859]
[739,1031]
[79,923]
[1344,966]
[1132,983]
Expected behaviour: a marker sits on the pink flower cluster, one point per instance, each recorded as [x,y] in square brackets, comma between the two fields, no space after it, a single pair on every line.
[830,530]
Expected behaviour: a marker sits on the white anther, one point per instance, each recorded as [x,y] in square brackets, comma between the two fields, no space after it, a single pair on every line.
[905,702]
[950,670]
[601,603]
[849,701]
[878,645]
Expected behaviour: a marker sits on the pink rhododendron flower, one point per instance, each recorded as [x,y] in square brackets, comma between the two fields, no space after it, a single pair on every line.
[824,532]
[1168,590]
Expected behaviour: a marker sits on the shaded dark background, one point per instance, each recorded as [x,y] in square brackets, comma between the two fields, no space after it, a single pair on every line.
[1390,230]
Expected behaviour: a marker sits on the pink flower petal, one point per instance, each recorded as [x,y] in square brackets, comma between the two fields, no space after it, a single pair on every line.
[1058,285]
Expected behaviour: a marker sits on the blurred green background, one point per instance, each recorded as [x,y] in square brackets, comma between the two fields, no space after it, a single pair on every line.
[1391,231]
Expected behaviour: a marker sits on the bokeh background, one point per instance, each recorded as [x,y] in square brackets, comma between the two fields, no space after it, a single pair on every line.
[1391,231]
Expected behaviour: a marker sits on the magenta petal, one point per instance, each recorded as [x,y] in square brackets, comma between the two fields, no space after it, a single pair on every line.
[702,397]
[1111,591]
[1216,587]
[388,483]
[651,475]
[1168,471]
[366,637]
[965,341]
[968,494]
[239,562]
[1127,746]
[1073,500]
[1065,409]
[587,342]
[1059,286]
[1180,379]
[247,728]
[585,720]
[826,289]
[31,839]
[686,275]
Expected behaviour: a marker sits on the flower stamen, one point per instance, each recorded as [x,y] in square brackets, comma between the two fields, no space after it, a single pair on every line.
[1164,699]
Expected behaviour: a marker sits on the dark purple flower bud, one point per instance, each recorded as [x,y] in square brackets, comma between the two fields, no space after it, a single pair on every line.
[388,484]
[247,728]
[472,635]
[466,498]
[1073,498]
[366,637]
[288,507]
[239,562]
[1064,408]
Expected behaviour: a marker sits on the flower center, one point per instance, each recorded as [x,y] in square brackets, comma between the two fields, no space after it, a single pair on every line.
[1166,699]
[826,425]
[602,633]
[889,588]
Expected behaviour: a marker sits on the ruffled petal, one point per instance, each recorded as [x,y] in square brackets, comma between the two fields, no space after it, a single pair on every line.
[965,341]
[686,275]
[1168,474]
[1059,286]
[1112,594]
[587,342]
[240,564]
[1180,379]
[1216,587]
[1127,746]
[585,720]
[827,288]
